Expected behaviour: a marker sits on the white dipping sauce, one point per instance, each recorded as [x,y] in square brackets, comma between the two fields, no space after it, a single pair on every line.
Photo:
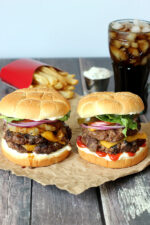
[97,73]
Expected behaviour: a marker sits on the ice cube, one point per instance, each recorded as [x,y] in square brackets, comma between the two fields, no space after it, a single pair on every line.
[143,45]
[117,25]
[112,35]
[148,36]
[133,51]
[144,60]
[146,29]
[132,61]
[125,44]
[131,37]
[134,45]
[118,54]
[143,24]
[136,22]
[117,43]
[135,29]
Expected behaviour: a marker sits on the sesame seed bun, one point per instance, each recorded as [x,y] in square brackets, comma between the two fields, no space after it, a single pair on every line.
[34,104]
[99,103]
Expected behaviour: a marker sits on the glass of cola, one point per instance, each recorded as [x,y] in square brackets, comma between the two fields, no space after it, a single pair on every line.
[129,46]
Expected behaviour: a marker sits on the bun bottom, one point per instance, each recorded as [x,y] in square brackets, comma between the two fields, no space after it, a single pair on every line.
[122,163]
[33,159]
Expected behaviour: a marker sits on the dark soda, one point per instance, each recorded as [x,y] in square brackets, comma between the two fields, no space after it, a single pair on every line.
[129,45]
[132,78]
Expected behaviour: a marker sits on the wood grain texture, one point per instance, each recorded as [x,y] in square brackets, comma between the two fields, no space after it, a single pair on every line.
[56,207]
[14,199]
[126,201]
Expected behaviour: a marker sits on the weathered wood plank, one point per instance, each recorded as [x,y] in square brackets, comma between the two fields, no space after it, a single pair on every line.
[15,191]
[14,199]
[53,206]
[125,201]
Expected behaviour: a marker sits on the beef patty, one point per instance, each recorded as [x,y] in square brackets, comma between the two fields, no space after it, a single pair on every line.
[112,135]
[16,141]
[94,145]
[92,140]
[46,147]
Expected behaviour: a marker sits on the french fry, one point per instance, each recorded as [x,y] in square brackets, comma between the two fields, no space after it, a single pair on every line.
[69,87]
[52,80]
[63,73]
[67,94]
[51,71]
[38,79]
[59,80]
[70,80]
[58,86]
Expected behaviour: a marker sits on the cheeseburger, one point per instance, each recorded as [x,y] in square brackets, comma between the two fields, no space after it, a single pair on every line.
[34,130]
[111,134]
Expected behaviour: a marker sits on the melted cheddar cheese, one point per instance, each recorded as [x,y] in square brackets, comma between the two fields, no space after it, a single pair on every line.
[29,148]
[141,135]
[108,144]
[51,137]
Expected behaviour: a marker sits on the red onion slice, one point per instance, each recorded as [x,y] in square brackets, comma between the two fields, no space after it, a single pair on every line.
[101,127]
[31,124]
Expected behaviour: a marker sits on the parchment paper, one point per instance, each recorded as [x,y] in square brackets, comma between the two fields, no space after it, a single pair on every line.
[74,174]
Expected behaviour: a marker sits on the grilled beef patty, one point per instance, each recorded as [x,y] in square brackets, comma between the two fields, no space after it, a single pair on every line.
[46,147]
[16,140]
[112,135]
[92,140]
[94,145]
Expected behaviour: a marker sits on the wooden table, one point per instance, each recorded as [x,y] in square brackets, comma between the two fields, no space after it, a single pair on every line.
[122,202]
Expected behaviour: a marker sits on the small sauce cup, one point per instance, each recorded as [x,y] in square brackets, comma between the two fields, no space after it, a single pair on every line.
[97,79]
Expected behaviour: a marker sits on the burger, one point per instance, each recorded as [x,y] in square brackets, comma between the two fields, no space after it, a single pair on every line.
[35,133]
[111,134]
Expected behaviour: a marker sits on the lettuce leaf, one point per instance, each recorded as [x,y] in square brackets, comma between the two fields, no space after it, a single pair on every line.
[9,119]
[65,117]
[124,120]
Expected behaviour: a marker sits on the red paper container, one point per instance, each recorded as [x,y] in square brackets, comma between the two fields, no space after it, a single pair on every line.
[19,73]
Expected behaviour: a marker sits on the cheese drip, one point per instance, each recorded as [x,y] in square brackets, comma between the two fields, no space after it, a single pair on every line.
[108,144]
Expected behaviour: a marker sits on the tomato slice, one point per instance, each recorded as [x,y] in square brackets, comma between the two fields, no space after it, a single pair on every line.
[23,121]
[80,143]
[99,123]
[101,154]
[143,145]
[131,153]
[114,157]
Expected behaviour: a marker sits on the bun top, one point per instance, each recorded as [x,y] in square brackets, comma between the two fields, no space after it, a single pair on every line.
[34,104]
[100,103]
